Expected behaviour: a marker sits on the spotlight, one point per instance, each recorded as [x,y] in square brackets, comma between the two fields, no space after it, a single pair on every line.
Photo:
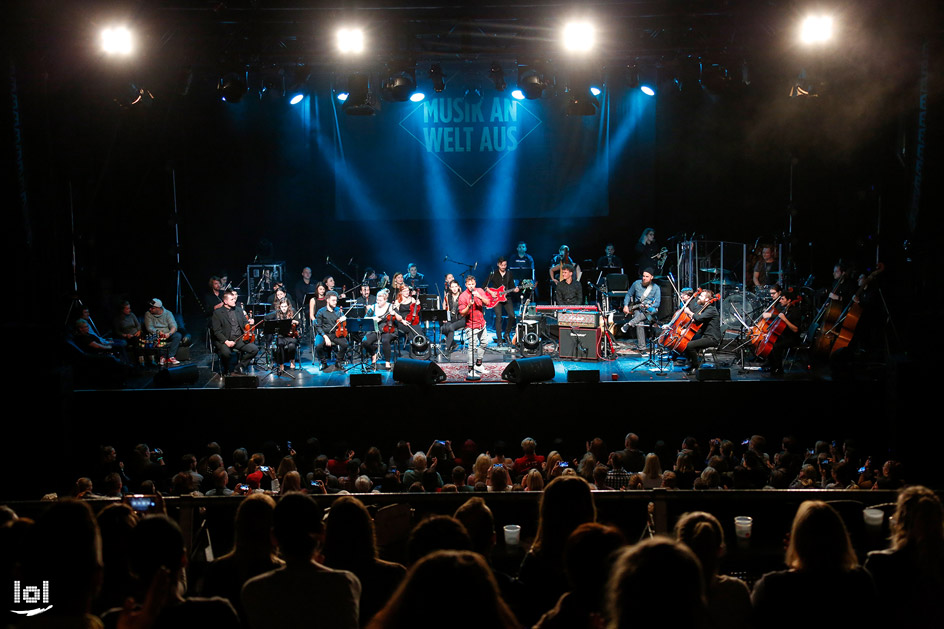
[473,95]
[399,88]
[419,347]
[296,98]
[117,41]
[517,94]
[816,29]
[416,97]
[497,76]
[299,90]
[531,84]
[648,91]
[342,96]
[579,36]
[232,87]
[436,76]
[595,91]
[360,101]
[350,40]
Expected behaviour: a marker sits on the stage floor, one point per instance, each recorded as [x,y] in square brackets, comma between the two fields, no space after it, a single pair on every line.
[624,365]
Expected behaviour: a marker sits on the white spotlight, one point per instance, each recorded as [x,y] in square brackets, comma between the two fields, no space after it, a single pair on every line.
[579,36]
[816,29]
[117,41]
[350,40]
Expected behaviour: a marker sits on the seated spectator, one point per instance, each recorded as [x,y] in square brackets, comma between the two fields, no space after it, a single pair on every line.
[669,480]
[220,482]
[498,480]
[588,557]
[480,470]
[253,552]
[890,478]
[419,467]
[350,544]
[159,560]
[633,458]
[656,583]
[808,478]
[291,482]
[161,322]
[635,482]
[617,477]
[651,472]
[94,344]
[430,591]
[533,481]
[585,467]
[83,489]
[303,592]
[822,568]
[729,600]
[529,460]
[459,480]
[909,576]
[438,532]
[373,465]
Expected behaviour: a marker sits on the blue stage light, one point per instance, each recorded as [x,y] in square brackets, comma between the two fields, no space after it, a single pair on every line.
[417,96]
[297,98]
[648,91]
[517,95]
[595,91]
[342,96]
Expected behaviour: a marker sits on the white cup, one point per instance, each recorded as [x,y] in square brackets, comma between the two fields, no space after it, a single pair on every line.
[873,517]
[512,534]
[742,526]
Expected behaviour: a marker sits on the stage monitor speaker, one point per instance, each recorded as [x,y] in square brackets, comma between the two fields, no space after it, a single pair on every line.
[583,375]
[579,343]
[178,374]
[524,370]
[707,374]
[240,381]
[410,371]
[365,379]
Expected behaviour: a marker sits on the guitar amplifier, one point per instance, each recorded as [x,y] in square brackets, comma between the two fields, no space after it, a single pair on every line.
[579,343]
[579,319]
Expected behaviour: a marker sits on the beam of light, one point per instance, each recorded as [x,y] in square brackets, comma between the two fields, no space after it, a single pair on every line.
[648,91]
[517,95]
[417,97]
[350,40]
[297,98]
[579,37]
[343,96]
[595,91]
[816,29]
[117,41]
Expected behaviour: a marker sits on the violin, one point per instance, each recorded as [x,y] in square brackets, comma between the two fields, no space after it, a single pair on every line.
[414,317]
[249,335]
[294,333]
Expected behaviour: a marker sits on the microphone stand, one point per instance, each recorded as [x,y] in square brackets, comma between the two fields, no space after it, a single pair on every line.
[469,267]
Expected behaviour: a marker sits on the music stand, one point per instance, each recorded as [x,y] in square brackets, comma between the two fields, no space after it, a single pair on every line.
[438,316]
[272,329]
[362,326]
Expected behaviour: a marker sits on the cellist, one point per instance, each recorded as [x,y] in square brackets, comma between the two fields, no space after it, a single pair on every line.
[790,337]
[702,312]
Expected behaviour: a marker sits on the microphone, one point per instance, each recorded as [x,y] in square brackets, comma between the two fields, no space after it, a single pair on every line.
[327,259]
[446,259]
[476,265]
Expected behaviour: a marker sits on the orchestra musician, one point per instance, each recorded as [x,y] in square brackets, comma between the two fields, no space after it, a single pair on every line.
[373,280]
[396,284]
[568,291]
[609,260]
[317,302]
[365,299]
[472,304]
[224,281]
[453,320]
[303,286]
[504,310]
[213,299]
[646,250]
[328,281]
[642,299]
[379,312]
[563,258]
[790,337]
[280,296]
[285,346]
[403,304]
[227,326]
[765,266]
[326,339]
[845,287]
[413,278]
[706,314]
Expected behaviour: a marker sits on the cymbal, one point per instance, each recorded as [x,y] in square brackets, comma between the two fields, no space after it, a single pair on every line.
[724,282]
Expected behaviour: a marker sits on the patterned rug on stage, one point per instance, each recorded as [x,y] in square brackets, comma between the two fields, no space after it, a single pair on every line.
[490,372]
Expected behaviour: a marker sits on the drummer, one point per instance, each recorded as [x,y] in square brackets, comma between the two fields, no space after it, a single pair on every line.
[765,267]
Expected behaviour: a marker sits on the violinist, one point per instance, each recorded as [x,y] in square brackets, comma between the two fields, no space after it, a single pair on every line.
[319,300]
[326,331]
[408,307]
[227,326]
[642,301]
[280,296]
[789,313]
[702,312]
[504,310]
[385,319]
[453,320]
[285,346]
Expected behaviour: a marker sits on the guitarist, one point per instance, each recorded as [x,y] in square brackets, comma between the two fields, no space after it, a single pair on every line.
[505,309]
[226,326]
[642,302]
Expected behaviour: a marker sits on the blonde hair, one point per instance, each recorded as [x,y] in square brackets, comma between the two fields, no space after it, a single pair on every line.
[819,540]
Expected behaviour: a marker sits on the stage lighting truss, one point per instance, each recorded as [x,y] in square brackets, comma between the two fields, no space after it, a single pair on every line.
[360,101]
[233,86]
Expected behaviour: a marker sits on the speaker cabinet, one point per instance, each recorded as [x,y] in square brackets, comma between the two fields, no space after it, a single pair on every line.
[410,371]
[579,343]
[240,381]
[583,375]
[523,370]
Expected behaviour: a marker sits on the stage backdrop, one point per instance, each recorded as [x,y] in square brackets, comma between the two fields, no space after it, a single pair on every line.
[493,157]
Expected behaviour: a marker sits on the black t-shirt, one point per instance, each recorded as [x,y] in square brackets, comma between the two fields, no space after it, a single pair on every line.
[569,294]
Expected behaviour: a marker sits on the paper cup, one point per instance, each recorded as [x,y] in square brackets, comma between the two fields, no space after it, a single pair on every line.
[873,517]
[742,526]
[512,534]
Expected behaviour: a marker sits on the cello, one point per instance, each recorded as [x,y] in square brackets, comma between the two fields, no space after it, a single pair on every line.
[766,332]
[685,333]
[850,318]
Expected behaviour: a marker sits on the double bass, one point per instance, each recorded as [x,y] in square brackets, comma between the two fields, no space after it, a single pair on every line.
[850,318]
